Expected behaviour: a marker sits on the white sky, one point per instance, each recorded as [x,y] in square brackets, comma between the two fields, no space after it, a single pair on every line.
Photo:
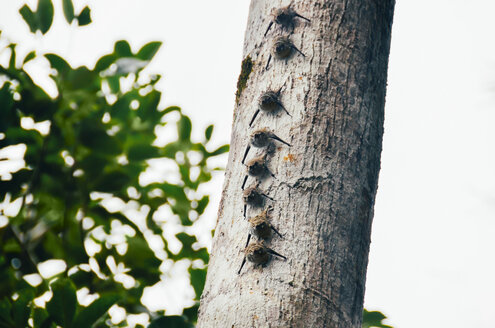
[432,253]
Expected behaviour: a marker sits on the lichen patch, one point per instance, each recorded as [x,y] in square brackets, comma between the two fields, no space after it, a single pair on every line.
[246,69]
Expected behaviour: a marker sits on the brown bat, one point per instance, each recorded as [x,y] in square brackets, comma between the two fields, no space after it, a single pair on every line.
[258,254]
[261,226]
[261,139]
[269,102]
[285,17]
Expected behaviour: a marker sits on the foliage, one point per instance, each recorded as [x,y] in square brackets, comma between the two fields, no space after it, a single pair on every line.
[42,19]
[374,319]
[100,141]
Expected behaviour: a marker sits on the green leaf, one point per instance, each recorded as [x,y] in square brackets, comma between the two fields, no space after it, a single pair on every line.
[12,57]
[185,171]
[170,150]
[121,109]
[14,185]
[5,317]
[114,83]
[148,51]
[22,308]
[29,17]
[173,191]
[208,132]
[45,15]
[30,56]
[84,17]
[89,315]
[104,62]
[204,176]
[374,319]
[141,260]
[68,10]
[123,49]
[187,251]
[82,79]
[58,63]
[184,126]
[7,103]
[141,151]
[154,79]
[171,321]
[220,150]
[112,181]
[148,109]
[82,278]
[41,318]
[171,109]
[202,203]
[198,279]
[93,135]
[63,303]
[31,138]
[192,312]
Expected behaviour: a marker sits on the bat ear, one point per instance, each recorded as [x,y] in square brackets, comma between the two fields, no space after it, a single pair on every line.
[302,17]
[271,251]
[268,62]
[299,51]
[273,136]
[285,110]
[248,239]
[246,153]
[254,117]
[244,182]
[265,195]
[268,29]
[242,264]
[278,233]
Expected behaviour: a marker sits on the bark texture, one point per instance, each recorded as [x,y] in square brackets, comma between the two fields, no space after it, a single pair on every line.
[325,184]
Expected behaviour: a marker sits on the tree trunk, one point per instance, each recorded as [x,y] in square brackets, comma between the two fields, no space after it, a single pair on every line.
[325,183]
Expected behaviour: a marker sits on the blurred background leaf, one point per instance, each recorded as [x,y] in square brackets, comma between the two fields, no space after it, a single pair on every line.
[88,148]
[374,319]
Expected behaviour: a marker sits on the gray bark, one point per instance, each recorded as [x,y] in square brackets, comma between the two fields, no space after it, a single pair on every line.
[325,184]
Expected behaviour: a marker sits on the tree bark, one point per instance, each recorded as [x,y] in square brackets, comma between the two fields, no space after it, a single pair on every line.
[325,183]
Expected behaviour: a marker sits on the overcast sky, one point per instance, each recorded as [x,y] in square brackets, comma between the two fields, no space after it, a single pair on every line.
[432,260]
